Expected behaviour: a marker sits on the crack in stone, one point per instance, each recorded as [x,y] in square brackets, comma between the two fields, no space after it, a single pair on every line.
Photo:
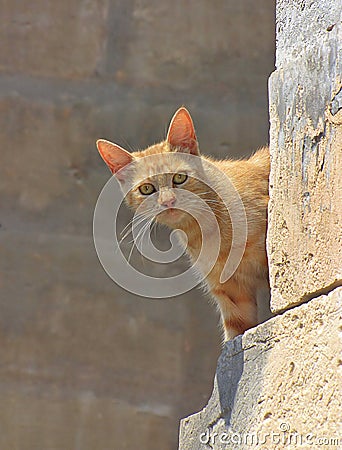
[336,103]
[324,291]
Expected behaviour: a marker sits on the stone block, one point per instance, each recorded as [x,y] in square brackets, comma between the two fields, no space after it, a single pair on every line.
[305,219]
[277,386]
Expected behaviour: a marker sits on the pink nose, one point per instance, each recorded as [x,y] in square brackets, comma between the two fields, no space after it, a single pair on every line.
[169,203]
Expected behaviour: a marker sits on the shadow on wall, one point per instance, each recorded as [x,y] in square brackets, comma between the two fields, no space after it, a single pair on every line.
[228,377]
[231,364]
[238,386]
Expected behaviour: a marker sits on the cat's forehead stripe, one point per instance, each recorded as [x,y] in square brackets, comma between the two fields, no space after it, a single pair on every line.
[158,159]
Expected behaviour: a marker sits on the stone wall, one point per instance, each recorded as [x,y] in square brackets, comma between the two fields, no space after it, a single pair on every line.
[304,240]
[86,365]
[279,385]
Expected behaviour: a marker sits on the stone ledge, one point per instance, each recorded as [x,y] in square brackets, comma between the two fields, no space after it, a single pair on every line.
[276,376]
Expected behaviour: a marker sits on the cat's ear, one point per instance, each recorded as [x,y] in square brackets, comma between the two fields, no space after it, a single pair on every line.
[113,155]
[181,135]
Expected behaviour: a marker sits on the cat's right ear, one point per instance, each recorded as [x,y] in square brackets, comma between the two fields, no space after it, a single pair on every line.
[113,155]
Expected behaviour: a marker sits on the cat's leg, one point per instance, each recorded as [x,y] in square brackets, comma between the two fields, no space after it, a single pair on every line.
[238,311]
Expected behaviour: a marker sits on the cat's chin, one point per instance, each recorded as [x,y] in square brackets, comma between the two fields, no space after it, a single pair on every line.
[170,216]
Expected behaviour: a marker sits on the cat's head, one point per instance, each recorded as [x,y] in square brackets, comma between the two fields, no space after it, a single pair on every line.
[164,179]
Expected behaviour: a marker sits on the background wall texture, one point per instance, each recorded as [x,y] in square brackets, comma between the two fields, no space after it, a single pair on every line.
[85,364]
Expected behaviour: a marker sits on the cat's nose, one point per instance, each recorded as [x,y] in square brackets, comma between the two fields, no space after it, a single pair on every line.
[167,199]
[169,203]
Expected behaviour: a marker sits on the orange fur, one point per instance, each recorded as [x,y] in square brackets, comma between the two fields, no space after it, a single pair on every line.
[236,297]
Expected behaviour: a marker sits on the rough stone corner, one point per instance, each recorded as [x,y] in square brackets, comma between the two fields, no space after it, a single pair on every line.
[282,377]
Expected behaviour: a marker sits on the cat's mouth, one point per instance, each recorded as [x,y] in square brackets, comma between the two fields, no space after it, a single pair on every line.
[170,215]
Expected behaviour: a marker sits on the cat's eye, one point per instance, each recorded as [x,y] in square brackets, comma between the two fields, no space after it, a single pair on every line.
[147,189]
[179,178]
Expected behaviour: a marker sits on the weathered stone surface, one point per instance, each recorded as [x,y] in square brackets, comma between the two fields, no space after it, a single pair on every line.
[278,386]
[305,212]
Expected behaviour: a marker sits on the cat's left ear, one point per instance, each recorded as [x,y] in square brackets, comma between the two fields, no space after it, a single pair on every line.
[181,135]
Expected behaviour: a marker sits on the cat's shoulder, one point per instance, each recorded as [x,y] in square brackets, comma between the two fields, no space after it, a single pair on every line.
[261,156]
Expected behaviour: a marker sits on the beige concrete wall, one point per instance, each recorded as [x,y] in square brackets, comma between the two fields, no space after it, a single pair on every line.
[85,364]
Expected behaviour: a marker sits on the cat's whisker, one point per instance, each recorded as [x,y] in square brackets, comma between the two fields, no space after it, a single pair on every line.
[146,216]
[127,233]
[143,231]
[135,222]
[213,202]
[154,227]
[205,193]
[137,237]
[202,211]
[136,217]
[130,231]
[201,206]
[136,226]
[128,144]
[134,241]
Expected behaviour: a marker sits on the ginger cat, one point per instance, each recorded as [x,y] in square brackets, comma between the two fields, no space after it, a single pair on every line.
[169,177]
